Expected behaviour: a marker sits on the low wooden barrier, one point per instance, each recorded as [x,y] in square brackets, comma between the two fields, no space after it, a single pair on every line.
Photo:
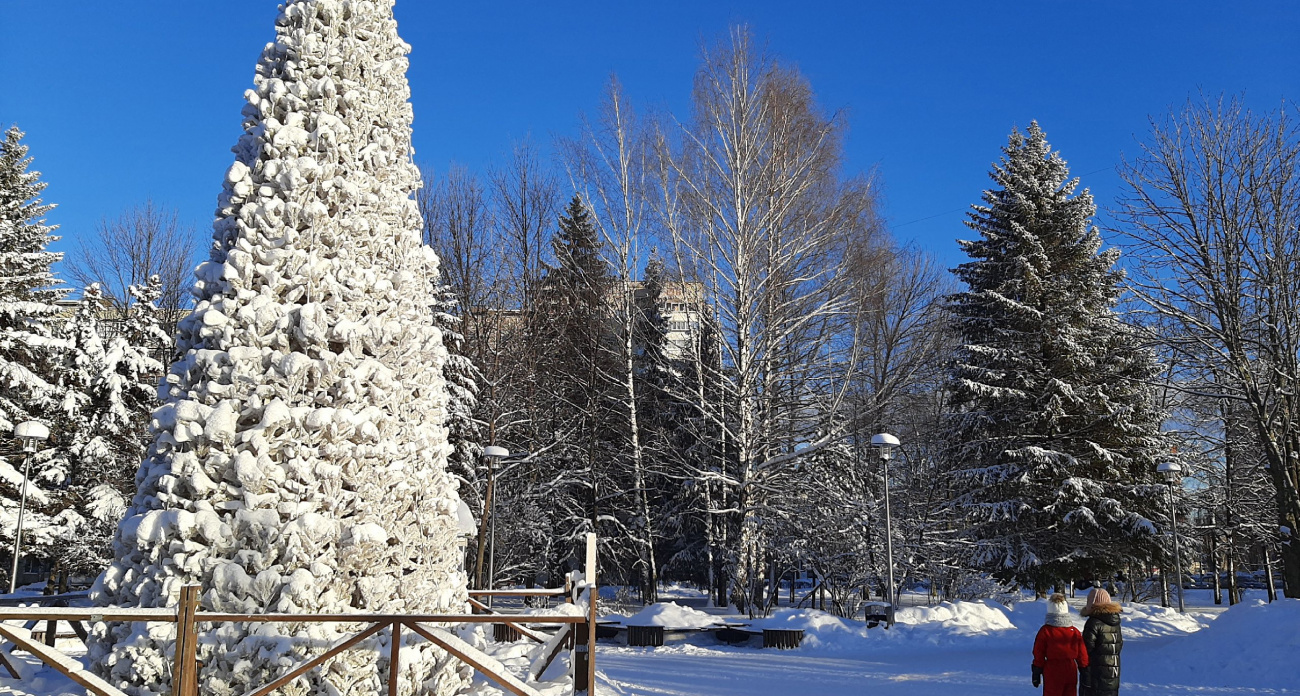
[645,636]
[187,617]
[782,638]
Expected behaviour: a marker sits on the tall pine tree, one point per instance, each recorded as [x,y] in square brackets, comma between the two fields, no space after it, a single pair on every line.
[33,352]
[1056,436]
[298,460]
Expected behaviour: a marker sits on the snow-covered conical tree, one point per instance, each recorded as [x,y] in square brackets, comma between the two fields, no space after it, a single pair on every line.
[298,461]
[462,378]
[1056,432]
[29,313]
[116,381]
[33,353]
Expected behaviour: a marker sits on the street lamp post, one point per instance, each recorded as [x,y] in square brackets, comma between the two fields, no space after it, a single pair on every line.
[29,434]
[1173,475]
[494,455]
[886,443]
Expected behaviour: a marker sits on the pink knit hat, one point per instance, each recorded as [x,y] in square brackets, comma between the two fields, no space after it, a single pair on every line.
[1097,597]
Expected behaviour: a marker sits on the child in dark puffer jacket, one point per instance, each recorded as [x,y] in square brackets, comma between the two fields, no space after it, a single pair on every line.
[1059,655]
[1103,640]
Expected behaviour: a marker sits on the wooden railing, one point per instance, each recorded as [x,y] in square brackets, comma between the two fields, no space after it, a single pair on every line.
[578,632]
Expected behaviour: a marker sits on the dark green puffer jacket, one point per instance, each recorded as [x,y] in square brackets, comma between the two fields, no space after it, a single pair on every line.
[1101,637]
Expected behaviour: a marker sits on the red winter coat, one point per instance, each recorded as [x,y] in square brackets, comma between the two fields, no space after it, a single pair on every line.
[1059,652]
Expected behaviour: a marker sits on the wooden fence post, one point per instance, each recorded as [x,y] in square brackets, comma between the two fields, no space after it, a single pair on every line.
[395,659]
[185,680]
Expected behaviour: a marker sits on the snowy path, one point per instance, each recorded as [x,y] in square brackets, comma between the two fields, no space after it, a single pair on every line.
[699,671]
[1164,655]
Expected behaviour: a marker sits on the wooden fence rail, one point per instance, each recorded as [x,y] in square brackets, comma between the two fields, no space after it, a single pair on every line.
[578,632]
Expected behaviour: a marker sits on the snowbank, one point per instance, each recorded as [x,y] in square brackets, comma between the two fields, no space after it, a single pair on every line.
[670,615]
[679,591]
[1139,620]
[960,618]
[1250,645]
[517,658]
[1149,620]
[557,609]
[973,624]
[944,624]
[820,630]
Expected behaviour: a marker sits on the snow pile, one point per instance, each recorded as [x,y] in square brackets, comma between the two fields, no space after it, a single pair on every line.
[517,658]
[1139,620]
[680,591]
[959,618]
[1028,616]
[557,609]
[981,624]
[1148,620]
[947,623]
[670,615]
[820,630]
[1248,646]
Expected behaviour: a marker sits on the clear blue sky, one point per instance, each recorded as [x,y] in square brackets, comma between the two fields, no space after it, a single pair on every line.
[135,99]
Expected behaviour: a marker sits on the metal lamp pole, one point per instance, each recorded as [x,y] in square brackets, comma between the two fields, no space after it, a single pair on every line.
[494,456]
[29,433]
[886,444]
[1173,474]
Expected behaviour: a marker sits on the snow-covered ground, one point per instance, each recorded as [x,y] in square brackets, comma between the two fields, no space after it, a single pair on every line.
[975,649]
[972,648]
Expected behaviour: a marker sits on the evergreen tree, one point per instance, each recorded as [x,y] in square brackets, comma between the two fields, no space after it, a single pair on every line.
[33,353]
[108,433]
[575,368]
[462,377]
[1056,434]
[650,336]
[298,459]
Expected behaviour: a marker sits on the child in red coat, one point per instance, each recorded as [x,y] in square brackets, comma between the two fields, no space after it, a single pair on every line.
[1059,654]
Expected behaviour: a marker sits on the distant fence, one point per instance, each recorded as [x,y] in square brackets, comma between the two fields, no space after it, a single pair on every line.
[576,632]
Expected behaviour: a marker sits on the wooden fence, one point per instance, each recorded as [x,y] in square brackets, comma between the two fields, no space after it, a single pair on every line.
[577,632]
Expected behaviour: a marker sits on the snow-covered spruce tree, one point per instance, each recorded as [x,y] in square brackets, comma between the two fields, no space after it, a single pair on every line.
[298,459]
[117,382]
[462,378]
[33,353]
[1056,435]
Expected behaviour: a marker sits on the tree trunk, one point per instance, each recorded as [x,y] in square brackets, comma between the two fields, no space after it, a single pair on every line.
[645,542]
[1214,560]
[1284,468]
[1268,574]
[1233,595]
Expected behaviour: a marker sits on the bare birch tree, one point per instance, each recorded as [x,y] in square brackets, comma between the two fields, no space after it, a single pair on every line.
[757,213]
[1211,215]
[608,165]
